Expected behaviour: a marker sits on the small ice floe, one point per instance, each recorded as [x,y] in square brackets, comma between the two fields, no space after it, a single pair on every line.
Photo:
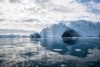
[57,49]
[86,42]
[77,49]
[62,65]
[91,63]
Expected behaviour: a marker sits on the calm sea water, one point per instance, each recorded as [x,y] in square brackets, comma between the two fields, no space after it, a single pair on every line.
[56,52]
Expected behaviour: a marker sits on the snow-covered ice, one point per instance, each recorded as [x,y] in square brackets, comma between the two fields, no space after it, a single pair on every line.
[80,28]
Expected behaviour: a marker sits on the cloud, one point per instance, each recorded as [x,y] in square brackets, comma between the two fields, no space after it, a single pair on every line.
[92,7]
[41,1]
[63,9]
[14,1]
[31,20]
[2,19]
[16,31]
[43,13]
[1,0]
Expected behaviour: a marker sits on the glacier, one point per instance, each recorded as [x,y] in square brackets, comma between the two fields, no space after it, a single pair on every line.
[79,28]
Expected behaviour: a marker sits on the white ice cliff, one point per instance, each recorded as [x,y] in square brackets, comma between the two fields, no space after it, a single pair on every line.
[80,28]
[86,28]
[55,30]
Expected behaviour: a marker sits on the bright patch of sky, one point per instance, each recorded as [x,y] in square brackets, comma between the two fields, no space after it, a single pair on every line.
[38,14]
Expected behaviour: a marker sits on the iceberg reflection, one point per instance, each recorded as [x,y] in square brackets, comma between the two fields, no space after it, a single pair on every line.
[82,52]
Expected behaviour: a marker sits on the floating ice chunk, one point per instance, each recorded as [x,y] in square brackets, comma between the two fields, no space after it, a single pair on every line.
[57,49]
[62,65]
[77,49]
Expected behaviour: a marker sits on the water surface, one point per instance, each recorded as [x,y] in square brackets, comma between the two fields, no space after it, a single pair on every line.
[55,52]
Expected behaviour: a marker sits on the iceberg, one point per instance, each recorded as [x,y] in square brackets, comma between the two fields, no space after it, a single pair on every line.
[35,35]
[55,30]
[58,30]
[86,28]
[80,28]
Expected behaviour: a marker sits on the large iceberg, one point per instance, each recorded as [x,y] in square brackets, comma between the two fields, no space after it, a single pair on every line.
[80,28]
[58,30]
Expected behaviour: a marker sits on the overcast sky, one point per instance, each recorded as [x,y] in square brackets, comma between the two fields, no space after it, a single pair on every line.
[38,14]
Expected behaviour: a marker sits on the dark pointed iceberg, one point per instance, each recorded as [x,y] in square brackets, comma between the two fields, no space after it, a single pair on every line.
[35,35]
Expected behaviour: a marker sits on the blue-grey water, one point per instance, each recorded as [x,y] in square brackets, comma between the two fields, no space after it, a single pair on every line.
[55,52]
